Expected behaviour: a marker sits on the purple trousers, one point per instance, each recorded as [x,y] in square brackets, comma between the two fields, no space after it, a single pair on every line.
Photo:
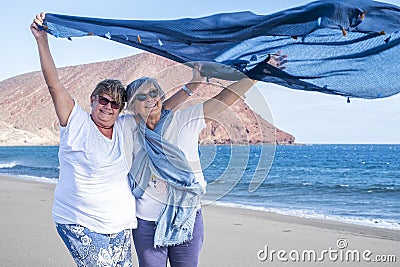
[183,255]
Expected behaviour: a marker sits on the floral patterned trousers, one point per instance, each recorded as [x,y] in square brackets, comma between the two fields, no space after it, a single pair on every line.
[91,249]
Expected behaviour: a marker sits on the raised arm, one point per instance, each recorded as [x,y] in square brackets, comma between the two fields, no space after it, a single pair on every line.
[62,101]
[181,95]
[214,106]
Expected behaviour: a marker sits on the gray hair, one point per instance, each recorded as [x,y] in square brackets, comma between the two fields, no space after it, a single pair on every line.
[133,88]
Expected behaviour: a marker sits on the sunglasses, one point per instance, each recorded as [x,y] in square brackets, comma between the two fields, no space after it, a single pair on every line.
[104,101]
[143,97]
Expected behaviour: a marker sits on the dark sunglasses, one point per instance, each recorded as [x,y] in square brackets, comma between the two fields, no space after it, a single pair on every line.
[104,101]
[143,97]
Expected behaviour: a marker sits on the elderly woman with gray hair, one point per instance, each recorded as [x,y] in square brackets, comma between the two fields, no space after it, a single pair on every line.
[166,175]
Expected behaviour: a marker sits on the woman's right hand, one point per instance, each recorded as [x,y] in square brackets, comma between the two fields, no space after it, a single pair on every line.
[196,74]
[36,31]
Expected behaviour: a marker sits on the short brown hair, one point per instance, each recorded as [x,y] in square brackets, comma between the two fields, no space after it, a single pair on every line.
[113,88]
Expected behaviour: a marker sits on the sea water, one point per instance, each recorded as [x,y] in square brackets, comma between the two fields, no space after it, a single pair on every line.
[358,184]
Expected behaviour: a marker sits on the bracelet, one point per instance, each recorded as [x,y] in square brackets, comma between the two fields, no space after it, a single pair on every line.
[184,88]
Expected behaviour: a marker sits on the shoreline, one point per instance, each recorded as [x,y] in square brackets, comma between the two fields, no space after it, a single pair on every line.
[379,232]
[233,236]
[349,228]
[316,217]
[222,204]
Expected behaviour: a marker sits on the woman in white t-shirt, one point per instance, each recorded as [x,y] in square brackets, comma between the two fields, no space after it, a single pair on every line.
[94,209]
[166,175]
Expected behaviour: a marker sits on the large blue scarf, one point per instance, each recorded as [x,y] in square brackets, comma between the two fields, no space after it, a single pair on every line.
[168,162]
[344,47]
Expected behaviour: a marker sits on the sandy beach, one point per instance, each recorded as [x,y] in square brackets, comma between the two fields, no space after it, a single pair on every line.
[233,236]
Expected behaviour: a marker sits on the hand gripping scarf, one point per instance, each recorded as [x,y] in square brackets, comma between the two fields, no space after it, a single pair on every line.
[343,47]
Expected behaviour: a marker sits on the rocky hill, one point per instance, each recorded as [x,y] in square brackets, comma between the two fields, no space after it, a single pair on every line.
[27,115]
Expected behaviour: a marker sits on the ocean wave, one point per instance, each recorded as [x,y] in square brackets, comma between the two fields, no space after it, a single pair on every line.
[35,178]
[8,165]
[378,223]
[329,188]
[383,189]
[15,164]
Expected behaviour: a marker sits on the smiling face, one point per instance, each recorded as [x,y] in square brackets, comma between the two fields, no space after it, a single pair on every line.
[107,101]
[104,115]
[147,102]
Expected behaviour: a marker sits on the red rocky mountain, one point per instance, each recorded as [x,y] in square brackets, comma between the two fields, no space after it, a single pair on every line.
[27,115]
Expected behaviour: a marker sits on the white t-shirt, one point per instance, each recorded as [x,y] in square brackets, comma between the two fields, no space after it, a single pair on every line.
[183,132]
[93,188]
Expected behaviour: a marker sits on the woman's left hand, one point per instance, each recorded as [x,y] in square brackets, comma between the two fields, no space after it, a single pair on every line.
[278,60]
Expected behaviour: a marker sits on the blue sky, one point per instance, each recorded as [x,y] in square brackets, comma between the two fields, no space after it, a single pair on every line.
[310,117]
